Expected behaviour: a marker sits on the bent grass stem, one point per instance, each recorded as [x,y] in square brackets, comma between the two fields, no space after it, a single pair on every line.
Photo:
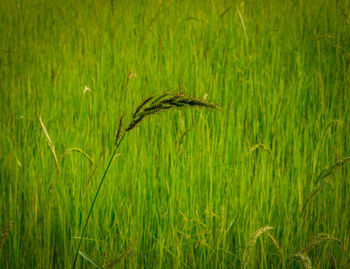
[94,200]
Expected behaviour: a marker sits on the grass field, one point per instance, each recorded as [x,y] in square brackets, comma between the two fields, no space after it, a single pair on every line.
[190,188]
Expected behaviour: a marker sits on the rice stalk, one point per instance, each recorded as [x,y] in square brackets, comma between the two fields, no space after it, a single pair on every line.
[323,37]
[304,258]
[155,100]
[278,248]
[302,255]
[320,180]
[5,233]
[344,11]
[146,108]
[328,126]
[259,146]
[333,262]
[243,24]
[160,104]
[317,239]
[70,150]
[327,171]
[128,77]
[51,145]
[141,105]
[225,11]
[183,135]
[119,132]
[90,260]
[251,242]
[122,255]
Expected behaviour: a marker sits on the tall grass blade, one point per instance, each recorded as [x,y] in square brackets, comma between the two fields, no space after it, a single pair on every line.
[90,260]
[51,145]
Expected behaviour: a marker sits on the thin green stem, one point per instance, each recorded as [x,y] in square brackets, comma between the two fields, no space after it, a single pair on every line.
[95,198]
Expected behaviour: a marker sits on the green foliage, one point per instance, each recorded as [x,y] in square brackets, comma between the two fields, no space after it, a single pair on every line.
[191,186]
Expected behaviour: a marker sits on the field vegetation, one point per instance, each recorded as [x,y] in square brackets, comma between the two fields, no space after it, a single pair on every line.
[261,182]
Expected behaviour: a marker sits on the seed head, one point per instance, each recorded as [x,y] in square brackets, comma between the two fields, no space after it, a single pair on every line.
[163,102]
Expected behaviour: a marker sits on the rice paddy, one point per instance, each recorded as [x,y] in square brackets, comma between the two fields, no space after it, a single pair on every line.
[260,181]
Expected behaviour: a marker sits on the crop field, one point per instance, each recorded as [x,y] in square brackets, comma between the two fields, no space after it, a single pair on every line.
[233,122]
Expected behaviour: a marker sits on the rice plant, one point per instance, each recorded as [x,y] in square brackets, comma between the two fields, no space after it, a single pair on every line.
[149,106]
[188,188]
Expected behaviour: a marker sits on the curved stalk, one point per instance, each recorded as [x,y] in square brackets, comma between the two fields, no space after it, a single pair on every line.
[95,198]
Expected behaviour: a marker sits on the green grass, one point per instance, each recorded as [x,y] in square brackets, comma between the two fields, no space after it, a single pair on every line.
[191,186]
